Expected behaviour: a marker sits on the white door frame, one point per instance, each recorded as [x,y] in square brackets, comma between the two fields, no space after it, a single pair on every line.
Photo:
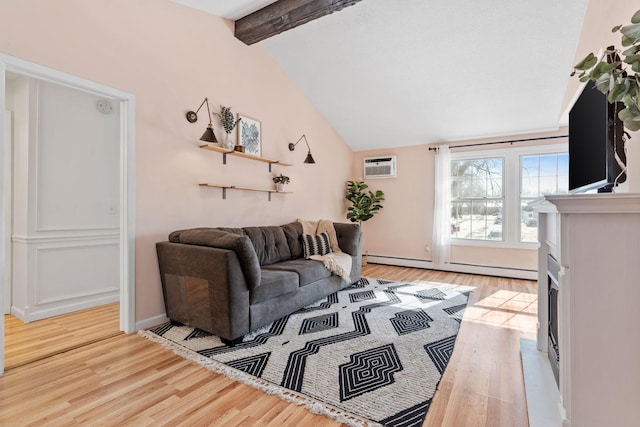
[7,196]
[127,176]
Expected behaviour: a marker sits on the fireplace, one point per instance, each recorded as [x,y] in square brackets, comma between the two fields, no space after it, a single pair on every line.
[553,269]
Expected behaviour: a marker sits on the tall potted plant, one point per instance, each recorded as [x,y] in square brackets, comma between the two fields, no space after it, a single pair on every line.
[364,204]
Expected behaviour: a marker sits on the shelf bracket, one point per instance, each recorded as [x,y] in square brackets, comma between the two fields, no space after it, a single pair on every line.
[272,163]
[224,158]
[224,193]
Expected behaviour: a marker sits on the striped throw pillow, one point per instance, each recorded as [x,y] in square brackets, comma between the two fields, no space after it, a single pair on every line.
[315,244]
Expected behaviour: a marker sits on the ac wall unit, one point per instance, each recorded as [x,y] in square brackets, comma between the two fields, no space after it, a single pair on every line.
[380,167]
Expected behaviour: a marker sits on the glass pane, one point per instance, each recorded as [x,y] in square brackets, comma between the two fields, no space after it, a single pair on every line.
[477,220]
[544,174]
[479,188]
[563,173]
[549,165]
[460,220]
[563,184]
[455,187]
[529,187]
[494,188]
[563,164]
[528,222]
[455,218]
[477,178]
[529,176]
[494,168]
[494,217]
[548,185]
[530,165]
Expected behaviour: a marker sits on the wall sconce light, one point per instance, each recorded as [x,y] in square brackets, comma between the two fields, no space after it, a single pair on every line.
[192,117]
[309,158]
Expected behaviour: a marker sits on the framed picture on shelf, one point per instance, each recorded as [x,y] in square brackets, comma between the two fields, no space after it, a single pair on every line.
[249,135]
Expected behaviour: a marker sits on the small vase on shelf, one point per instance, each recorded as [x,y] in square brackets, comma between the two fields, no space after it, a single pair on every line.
[279,187]
[228,143]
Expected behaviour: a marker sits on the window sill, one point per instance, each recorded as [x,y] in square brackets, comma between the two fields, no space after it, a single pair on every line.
[494,244]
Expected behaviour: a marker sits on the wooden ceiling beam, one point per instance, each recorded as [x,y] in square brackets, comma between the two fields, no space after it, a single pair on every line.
[284,15]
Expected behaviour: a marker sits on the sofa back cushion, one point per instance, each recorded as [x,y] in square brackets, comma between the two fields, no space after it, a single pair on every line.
[293,233]
[269,243]
[239,231]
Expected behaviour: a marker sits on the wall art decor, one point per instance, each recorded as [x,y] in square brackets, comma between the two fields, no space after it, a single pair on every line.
[249,135]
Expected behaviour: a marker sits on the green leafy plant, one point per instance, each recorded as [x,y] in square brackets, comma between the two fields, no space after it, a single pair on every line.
[612,75]
[226,118]
[281,179]
[364,204]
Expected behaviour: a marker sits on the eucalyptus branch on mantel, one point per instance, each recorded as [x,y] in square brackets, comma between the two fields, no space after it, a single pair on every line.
[612,76]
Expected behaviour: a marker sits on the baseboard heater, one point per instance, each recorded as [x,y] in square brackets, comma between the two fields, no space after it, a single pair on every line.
[487,270]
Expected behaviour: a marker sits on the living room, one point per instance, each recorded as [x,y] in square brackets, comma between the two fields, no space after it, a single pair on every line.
[169,57]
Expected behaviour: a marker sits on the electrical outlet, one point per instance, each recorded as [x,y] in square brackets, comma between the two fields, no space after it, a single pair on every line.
[427,248]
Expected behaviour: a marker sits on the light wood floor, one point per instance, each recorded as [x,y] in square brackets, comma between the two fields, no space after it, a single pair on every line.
[28,342]
[127,380]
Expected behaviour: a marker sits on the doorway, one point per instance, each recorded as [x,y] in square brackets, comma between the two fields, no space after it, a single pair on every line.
[124,237]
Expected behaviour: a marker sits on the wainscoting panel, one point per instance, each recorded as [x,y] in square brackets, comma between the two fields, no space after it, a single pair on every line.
[65,275]
[75,271]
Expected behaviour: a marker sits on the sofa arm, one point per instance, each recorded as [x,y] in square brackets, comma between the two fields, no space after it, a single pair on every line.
[349,238]
[204,287]
[240,244]
[350,242]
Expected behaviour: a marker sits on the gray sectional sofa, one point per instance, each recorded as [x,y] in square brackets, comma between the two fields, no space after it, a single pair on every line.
[230,281]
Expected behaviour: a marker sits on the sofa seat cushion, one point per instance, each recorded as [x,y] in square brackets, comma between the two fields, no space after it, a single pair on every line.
[274,283]
[308,270]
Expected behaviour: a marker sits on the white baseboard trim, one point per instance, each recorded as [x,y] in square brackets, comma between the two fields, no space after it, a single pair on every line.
[151,322]
[31,314]
[20,313]
[455,268]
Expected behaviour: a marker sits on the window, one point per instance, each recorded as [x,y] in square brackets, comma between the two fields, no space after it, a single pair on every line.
[491,190]
[477,198]
[540,175]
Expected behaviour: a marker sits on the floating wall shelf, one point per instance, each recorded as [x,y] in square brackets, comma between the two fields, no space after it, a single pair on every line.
[233,187]
[226,151]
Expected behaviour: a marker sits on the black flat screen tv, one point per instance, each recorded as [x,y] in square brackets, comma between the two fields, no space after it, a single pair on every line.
[595,132]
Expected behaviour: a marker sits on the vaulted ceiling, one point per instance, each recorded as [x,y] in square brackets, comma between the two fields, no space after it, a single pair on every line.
[398,73]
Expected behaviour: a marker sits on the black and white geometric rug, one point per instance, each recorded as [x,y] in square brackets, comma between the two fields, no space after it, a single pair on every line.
[370,354]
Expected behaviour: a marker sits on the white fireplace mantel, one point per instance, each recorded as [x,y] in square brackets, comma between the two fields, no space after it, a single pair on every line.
[596,240]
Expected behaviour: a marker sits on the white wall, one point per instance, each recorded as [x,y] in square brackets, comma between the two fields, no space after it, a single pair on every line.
[65,205]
